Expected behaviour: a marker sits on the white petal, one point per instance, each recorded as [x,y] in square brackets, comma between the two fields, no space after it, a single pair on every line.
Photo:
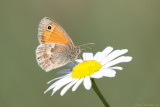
[71,65]
[97,75]
[104,53]
[87,83]
[77,84]
[79,60]
[118,60]
[84,56]
[64,90]
[113,55]
[116,67]
[64,71]
[89,56]
[58,78]
[61,85]
[96,56]
[108,72]
[58,82]
[55,79]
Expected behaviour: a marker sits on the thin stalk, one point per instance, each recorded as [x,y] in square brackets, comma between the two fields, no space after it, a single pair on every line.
[97,91]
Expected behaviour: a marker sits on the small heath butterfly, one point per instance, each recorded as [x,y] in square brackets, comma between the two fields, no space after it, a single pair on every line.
[56,48]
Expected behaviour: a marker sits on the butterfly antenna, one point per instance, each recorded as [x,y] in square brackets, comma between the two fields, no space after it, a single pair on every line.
[86,47]
[86,44]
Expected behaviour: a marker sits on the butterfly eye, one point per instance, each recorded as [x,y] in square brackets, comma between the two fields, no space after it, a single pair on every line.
[49,27]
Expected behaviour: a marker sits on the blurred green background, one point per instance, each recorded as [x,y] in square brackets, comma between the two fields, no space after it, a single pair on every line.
[130,24]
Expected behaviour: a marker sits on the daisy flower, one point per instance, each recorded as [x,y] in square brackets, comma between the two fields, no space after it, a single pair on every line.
[102,64]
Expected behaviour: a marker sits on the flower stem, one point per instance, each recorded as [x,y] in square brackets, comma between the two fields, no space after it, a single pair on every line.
[95,88]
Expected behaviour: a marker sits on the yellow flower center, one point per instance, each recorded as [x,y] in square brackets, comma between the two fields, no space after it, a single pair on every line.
[85,68]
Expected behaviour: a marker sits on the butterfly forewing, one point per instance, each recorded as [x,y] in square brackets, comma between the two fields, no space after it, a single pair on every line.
[54,35]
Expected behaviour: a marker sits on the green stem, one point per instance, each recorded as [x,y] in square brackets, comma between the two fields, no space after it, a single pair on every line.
[95,88]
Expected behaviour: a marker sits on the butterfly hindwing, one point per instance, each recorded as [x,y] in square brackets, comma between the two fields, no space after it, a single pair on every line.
[51,55]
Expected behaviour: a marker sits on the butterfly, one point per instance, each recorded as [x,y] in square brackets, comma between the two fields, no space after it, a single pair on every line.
[56,49]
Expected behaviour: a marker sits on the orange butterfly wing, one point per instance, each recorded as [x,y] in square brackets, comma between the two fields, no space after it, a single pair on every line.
[56,34]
